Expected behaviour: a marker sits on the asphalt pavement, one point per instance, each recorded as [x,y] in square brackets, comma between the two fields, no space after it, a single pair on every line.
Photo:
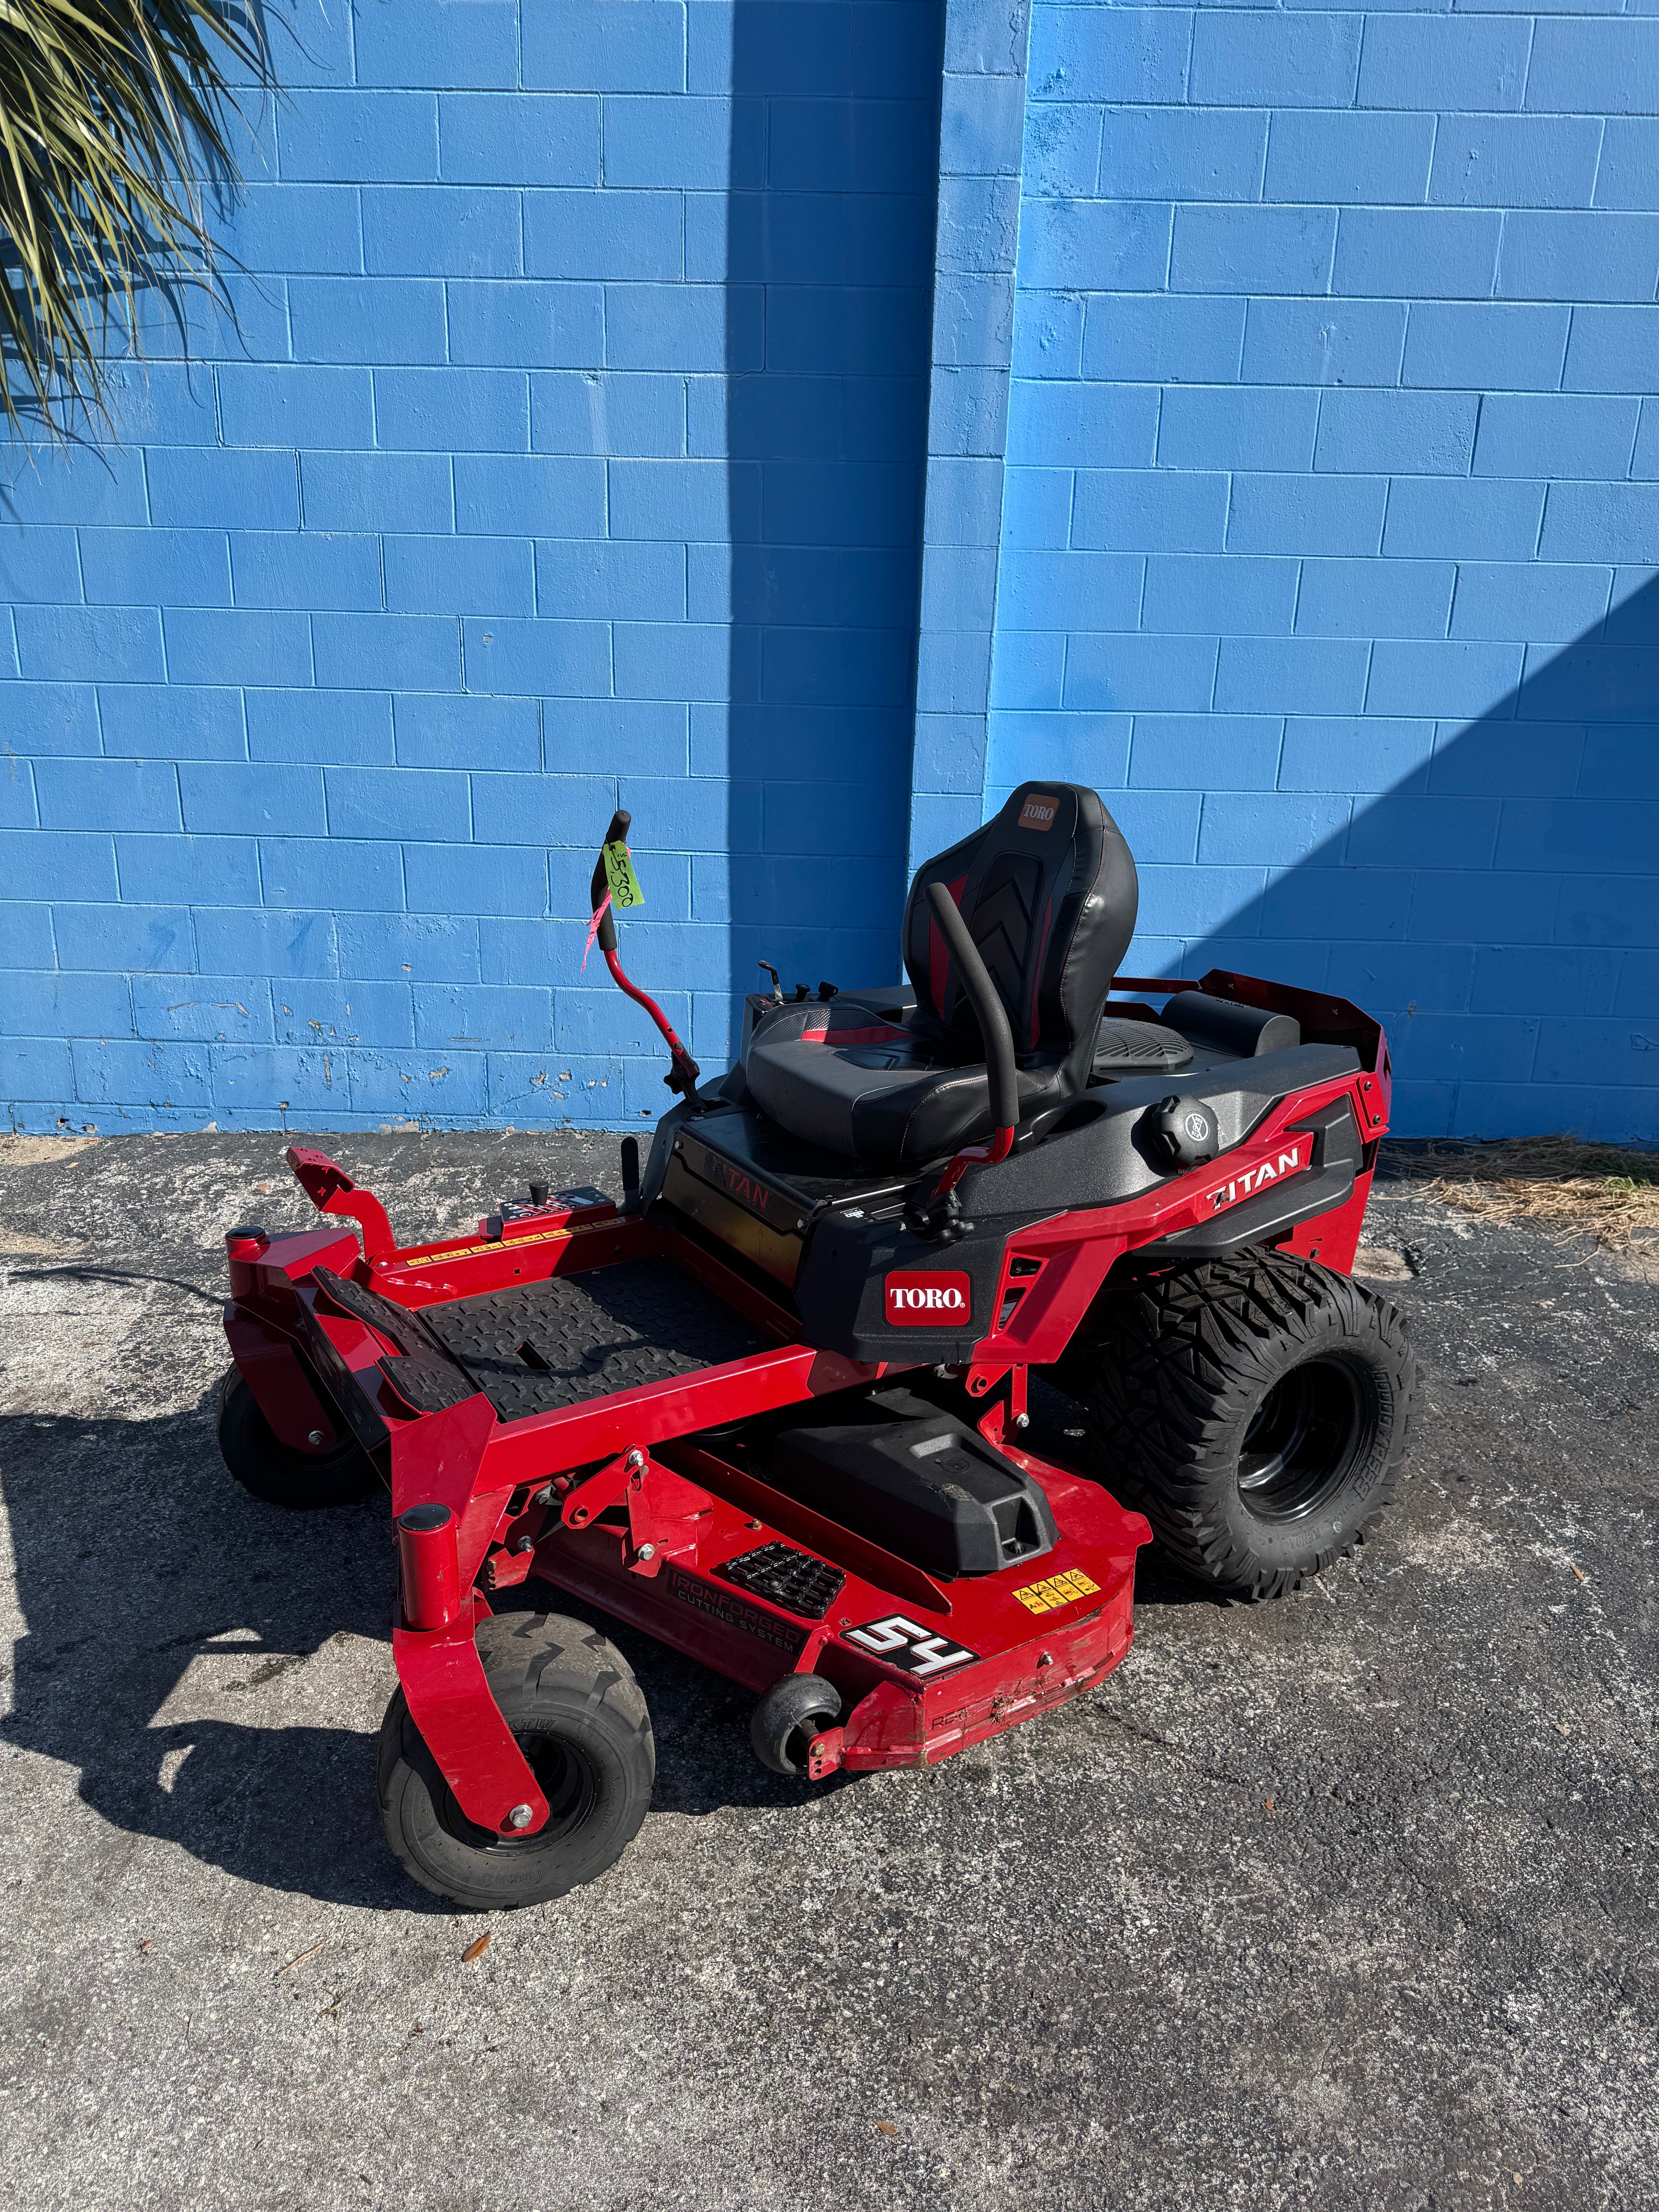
[1347,1900]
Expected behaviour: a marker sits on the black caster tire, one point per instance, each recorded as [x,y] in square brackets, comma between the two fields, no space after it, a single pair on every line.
[274,1472]
[571,1702]
[1256,1408]
[794,1709]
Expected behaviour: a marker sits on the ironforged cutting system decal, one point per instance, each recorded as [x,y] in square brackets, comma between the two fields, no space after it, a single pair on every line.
[931,1299]
[732,1611]
[905,1643]
[1249,1181]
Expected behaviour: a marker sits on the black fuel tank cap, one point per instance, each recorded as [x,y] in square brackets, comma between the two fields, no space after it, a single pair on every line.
[1181,1132]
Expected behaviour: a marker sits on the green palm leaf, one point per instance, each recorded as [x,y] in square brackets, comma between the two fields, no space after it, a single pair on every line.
[115,116]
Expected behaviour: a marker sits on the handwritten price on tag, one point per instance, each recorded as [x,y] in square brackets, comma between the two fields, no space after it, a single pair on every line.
[624,884]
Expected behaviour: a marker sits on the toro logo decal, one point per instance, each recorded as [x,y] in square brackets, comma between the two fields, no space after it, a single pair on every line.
[1249,1181]
[916,1299]
[1038,811]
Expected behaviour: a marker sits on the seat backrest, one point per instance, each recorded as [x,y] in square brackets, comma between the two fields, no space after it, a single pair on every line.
[1048,891]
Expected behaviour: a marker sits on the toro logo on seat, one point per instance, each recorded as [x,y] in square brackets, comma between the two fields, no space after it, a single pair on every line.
[1038,811]
[918,1298]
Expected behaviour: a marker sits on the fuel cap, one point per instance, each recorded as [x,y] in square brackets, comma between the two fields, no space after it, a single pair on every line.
[1181,1132]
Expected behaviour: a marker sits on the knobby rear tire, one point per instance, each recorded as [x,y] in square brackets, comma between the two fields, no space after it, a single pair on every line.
[1256,1408]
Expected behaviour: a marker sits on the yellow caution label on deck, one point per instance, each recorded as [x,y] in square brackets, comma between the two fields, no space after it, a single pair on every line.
[624,884]
[1058,1590]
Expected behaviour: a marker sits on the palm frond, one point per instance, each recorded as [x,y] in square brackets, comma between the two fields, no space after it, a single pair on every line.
[115,116]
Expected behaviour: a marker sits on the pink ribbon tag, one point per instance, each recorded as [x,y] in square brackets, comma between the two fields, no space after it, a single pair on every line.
[593,930]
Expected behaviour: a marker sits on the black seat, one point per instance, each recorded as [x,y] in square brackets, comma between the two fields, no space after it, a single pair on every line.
[1049,892]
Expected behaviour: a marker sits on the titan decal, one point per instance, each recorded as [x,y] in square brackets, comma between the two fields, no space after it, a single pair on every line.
[1249,1181]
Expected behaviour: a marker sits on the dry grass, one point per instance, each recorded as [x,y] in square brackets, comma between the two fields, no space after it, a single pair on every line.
[1599,1190]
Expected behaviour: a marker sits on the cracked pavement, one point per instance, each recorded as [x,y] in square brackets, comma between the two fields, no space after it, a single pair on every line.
[1347,1898]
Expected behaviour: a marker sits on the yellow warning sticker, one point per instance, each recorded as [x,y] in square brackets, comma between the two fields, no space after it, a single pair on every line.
[501,1244]
[619,875]
[1058,1590]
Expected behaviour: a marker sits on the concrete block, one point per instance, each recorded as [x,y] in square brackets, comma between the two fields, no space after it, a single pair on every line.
[1290,676]
[571,658]
[334,726]
[526,325]
[382,319]
[387,652]
[507,138]
[191,567]
[249,645]
[1245,250]
[107,794]
[1375,597]
[305,569]
[377,491]
[65,645]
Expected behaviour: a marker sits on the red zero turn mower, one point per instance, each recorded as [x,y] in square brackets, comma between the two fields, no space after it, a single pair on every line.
[768,1407]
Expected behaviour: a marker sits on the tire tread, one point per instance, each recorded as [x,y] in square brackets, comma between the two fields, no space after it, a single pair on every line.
[1163,1368]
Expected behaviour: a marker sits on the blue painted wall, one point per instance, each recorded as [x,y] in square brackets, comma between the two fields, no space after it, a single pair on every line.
[1277,378]
[1331,517]
[568,454]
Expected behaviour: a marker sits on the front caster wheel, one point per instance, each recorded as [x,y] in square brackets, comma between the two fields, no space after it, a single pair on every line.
[1255,1408]
[577,1714]
[274,1471]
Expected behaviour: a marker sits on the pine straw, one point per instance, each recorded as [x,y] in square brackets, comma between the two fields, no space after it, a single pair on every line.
[1600,1190]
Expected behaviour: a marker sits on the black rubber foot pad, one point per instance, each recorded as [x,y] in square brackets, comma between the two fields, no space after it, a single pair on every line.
[792,1579]
[547,1346]
[423,1378]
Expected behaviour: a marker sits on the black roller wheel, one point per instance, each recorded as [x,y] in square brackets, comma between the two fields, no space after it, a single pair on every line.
[1255,1408]
[794,1709]
[577,1713]
[274,1471]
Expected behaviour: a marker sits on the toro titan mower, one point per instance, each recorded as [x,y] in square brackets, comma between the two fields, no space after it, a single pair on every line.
[770,1405]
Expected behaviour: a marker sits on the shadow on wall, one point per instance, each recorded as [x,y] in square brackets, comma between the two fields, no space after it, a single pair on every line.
[1497,906]
[829,256]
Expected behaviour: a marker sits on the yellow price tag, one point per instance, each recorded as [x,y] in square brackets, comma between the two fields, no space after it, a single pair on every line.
[624,884]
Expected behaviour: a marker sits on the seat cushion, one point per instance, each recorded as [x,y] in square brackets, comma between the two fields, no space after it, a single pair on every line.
[844,1077]
[1127,1047]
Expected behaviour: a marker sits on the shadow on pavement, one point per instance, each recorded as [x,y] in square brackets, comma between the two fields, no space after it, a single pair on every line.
[136,1554]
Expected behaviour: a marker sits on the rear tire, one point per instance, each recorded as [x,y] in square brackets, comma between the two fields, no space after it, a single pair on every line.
[1255,1408]
[571,1702]
[273,1471]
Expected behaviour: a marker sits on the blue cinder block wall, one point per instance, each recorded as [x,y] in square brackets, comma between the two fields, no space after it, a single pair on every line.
[1330,521]
[568,454]
[799,421]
